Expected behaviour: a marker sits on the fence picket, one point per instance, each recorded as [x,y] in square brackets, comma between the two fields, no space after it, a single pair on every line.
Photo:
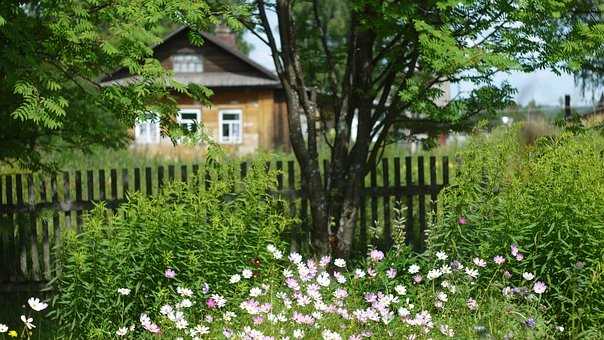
[28,237]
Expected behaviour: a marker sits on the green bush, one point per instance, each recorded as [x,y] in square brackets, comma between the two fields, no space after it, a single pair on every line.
[213,226]
[545,194]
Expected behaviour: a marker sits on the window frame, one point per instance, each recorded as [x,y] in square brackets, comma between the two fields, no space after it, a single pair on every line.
[175,58]
[180,120]
[230,140]
[147,139]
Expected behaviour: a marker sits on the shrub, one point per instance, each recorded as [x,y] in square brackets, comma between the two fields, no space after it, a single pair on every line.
[212,226]
[546,195]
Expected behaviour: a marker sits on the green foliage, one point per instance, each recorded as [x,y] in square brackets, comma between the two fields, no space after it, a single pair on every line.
[203,230]
[545,194]
[55,54]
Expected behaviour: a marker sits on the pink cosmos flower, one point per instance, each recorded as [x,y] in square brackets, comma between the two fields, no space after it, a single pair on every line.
[499,259]
[472,304]
[376,255]
[514,249]
[258,320]
[169,273]
[479,262]
[462,220]
[417,278]
[539,287]
[211,303]
[391,273]
[519,256]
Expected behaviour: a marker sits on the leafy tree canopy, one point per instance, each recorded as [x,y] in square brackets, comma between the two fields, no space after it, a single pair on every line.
[54,53]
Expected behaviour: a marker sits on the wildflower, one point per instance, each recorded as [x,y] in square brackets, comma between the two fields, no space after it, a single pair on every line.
[228,316]
[413,269]
[519,257]
[371,272]
[340,263]
[277,254]
[235,278]
[433,274]
[391,273]
[121,331]
[499,260]
[36,305]
[123,291]
[400,290]
[247,274]
[473,273]
[325,260]
[255,292]
[169,273]
[462,220]
[539,287]
[184,292]
[185,303]
[446,330]
[211,303]
[341,279]
[295,258]
[417,279]
[472,304]
[298,334]
[271,248]
[560,329]
[528,276]
[28,322]
[530,323]
[206,288]
[219,300]
[323,279]
[514,249]
[376,255]
[479,262]
[579,264]
[403,312]
[456,265]
[507,274]
[12,334]
[329,335]
[166,309]
[340,293]
[507,291]
[3,328]
[359,274]
[199,330]
[445,269]
[441,255]
[148,324]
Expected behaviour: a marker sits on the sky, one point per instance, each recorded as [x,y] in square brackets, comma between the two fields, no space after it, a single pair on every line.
[545,87]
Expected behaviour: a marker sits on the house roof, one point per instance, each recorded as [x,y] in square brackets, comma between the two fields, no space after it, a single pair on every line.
[209,79]
[212,79]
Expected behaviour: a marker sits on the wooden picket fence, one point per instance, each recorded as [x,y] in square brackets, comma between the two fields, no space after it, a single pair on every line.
[36,208]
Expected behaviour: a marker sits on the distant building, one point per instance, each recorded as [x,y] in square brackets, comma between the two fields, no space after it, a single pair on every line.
[248,110]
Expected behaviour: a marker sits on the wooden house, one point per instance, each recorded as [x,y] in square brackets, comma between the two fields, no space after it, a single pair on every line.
[248,110]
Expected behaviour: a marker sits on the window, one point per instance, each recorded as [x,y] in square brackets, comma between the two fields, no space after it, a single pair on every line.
[230,126]
[189,119]
[146,131]
[187,63]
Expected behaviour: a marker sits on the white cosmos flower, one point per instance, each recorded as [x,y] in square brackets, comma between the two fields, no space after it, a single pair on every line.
[36,304]
[121,331]
[271,248]
[339,263]
[246,273]
[28,322]
[400,290]
[255,292]
[184,292]
[166,309]
[323,279]
[295,258]
[298,334]
[433,274]
[3,328]
[441,255]
[235,278]
[473,273]
[528,276]
[413,269]
[442,296]
[123,291]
